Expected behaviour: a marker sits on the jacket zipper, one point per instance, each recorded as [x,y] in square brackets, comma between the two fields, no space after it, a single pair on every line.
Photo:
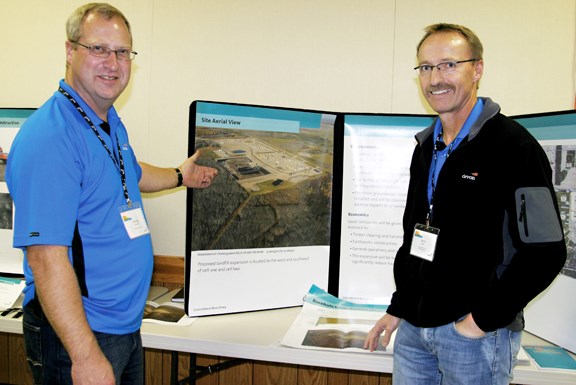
[523,217]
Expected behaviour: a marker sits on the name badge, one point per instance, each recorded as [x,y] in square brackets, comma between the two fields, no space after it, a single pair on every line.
[134,220]
[424,242]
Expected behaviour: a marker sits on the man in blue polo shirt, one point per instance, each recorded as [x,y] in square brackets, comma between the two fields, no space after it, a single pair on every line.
[76,185]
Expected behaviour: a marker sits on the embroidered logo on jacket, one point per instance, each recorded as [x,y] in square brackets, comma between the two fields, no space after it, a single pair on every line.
[472,176]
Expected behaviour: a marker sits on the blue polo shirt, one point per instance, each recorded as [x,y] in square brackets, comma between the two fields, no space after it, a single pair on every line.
[67,191]
[442,155]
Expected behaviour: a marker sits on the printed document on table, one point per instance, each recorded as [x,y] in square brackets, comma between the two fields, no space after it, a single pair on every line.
[168,313]
[329,323]
[10,290]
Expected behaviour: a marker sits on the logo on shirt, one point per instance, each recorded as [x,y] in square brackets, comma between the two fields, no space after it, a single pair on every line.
[34,234]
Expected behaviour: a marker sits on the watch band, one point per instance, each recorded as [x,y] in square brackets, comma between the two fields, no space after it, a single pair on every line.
[179,175]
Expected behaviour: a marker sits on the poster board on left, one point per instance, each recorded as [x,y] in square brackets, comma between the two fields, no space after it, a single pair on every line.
[11,119]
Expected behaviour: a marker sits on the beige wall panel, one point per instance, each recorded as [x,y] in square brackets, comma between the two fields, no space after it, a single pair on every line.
[334,55]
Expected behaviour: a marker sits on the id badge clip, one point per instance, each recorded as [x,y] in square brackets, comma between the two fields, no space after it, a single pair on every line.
[424,241]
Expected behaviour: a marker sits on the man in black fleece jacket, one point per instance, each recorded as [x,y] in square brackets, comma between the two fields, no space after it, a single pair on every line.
[482,231]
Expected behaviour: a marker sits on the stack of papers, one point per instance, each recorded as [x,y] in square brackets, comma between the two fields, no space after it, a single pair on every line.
[10,290]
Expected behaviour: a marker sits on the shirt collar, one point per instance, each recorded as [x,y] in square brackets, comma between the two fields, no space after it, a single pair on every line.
[113,118]
[472,118]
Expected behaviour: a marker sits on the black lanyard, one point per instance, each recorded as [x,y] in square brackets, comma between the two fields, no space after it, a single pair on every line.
[118,163]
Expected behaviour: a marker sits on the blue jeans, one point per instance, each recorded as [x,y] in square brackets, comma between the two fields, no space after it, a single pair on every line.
[443,356]
[51,364]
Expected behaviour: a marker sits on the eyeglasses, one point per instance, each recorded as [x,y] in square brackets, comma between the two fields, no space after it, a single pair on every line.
[103,52]
[444,67]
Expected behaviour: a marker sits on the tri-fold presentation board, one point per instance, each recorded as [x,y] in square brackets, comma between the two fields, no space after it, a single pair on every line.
[316,198]
[310,197]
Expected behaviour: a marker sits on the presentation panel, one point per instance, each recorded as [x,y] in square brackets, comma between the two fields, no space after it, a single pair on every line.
[259,237]
[552,315]
[11,119]
[377,153]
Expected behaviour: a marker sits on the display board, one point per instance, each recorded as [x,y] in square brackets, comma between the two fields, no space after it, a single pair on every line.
[552,315]
[260,236]
[309,197]
[11,119]
[377,153]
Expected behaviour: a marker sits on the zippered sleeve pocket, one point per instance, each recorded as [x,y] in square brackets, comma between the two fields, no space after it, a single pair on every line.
[537,219]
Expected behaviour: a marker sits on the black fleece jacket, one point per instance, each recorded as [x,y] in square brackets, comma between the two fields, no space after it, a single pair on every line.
[500,242]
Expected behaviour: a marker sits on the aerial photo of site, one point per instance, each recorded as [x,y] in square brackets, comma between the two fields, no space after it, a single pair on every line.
[274,189]
[563,161]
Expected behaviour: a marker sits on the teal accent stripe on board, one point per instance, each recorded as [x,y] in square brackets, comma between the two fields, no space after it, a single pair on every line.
[13,118]
[385,125]
[550,127]
[304,118]
[247,123]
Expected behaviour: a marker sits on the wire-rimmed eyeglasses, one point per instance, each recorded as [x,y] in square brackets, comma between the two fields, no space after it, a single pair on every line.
[104,52]
[444,67]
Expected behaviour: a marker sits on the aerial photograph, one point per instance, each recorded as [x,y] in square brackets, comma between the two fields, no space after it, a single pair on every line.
[563,162]
[274,189]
